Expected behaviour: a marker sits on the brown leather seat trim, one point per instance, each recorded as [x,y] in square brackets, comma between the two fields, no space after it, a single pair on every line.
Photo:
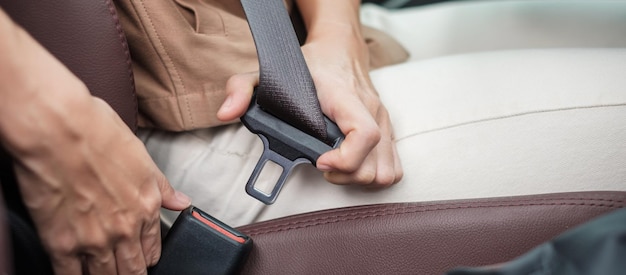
[419,238]
[370,211]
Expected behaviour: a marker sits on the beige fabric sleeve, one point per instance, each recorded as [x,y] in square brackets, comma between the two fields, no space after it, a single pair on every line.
[184,51]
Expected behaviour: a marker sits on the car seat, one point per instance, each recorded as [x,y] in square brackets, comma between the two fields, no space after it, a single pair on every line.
[399,238]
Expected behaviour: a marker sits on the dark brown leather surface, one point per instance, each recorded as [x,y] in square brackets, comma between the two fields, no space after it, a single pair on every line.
[419,238]
[5,241]
[86,36]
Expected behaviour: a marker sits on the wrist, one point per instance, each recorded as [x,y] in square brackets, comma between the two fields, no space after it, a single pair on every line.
[329,18]
[45,120]
[338,33]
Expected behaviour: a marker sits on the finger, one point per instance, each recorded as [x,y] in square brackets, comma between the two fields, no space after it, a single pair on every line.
[362,135]
[130,258]
[151,240]
[239,90]
[351,153]
[101,263]
[365,175]
[170,198]
[66,265]
[398,170]
[385,168]
[397,165]
[387,161]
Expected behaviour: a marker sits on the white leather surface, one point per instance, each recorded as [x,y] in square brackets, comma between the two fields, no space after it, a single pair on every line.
[494,124]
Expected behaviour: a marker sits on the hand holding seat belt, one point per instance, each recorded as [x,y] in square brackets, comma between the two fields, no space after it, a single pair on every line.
[284,110]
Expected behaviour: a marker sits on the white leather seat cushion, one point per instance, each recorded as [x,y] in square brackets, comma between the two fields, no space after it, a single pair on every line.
[493,124]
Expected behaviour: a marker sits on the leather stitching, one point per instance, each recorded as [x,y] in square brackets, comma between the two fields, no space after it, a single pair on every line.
[329,220]
[488,119]
[411,209]
[122,37]
[396,208]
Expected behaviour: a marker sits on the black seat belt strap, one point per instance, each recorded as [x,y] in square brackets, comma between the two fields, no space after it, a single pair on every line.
[285,88]
[284,111]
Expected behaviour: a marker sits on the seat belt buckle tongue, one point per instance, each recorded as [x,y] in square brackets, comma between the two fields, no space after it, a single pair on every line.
[284,145]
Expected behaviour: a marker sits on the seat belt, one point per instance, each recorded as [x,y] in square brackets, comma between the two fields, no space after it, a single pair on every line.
[285,111]
[285,88]
[286,114]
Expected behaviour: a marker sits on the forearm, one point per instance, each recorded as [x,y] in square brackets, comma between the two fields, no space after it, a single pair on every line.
[39,96]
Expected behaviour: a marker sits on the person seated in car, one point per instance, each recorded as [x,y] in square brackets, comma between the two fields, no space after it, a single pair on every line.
[471,125]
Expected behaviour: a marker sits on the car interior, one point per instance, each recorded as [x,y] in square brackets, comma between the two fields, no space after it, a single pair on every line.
[390,238]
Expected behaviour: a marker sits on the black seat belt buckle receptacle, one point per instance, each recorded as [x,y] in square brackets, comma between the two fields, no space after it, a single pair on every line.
[200,244]
[284,145]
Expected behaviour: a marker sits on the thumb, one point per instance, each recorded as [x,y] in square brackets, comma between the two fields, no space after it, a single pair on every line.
[239,92]
[170,198]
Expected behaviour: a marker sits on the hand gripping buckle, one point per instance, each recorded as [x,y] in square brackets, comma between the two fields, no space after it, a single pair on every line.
[284,145]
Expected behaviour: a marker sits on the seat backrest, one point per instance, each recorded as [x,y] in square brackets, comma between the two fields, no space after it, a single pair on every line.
[87,37]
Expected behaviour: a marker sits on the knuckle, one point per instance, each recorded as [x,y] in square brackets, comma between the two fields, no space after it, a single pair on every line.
[365,177]
[123,228]
[132,263]
[126,232]
[232,81]
[154,256]
[152,229]
[372,133]
[134,267]
[375,106]
[152,204]
[349,165]
[372,101]
[102,259]
[96,242]
[382,112]
[385,179]
[63,245]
